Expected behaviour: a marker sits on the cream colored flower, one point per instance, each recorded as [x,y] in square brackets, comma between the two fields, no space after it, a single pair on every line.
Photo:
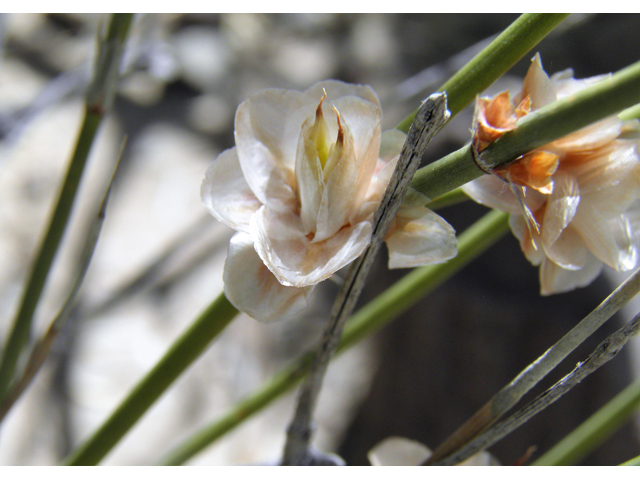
[576,194]
[301,187]
[400,451]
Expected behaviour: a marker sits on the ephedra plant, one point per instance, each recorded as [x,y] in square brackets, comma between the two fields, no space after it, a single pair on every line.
[314,185]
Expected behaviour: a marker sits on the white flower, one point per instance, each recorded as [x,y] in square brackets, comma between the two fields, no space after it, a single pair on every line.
[577,193]
[400,451]
[301,187]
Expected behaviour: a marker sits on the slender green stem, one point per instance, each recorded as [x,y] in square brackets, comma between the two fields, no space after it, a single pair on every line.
[595,430]
[41,349]
[534,130]
[94,112]
[387,306]
[421,281]
[634,462]
[630,113]
[492,62]
[447,174]
[449,199]
[278,385]
[191,344]
[21,332]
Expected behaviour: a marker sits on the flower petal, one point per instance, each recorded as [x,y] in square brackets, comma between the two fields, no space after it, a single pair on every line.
[528,244]
[391,144]
[253,289]
[607,168]
[347,182]
[561,207]
[226,194]
[610,239]
[336,89]
[568,250]
[566,85]
[293,258]
[537,85]
[267,128]
[363,119]
[495,193]
[309,179]
[588,138]
[398,452]
[340,189]
[420,237]
[555,279]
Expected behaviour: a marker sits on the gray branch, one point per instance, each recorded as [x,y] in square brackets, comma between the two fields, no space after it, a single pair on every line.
[606,351]
[511,394]
[430,118]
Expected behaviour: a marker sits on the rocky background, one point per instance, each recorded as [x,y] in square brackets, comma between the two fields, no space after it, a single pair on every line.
[159,260]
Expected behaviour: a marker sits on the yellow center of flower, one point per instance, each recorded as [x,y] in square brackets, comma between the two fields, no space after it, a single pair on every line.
[328,152]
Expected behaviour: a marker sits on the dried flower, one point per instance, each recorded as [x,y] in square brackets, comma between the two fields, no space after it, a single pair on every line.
[571,201]
[301,187]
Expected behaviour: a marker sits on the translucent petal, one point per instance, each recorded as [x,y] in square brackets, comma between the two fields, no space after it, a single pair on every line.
[253,289]
[537,85]
[561,207]
[397,452]
[340,190]
[267,129]
[607,167]
[530,245]
[589,138]
[336,89]
[391,144]
[568,250]
[363,120]
[226,194]
[495,193]
[420,237]
[566,85]
[293,258]
[610,239]
[309,179]
[555,279]
[481,459]
[383,173]
[633,216]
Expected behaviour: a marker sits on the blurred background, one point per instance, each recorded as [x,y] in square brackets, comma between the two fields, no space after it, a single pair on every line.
[160,256]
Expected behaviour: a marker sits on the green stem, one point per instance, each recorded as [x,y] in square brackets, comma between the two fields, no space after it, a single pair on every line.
[421,281]
[449,199]
[593,432]
[367,320]
[21,332]
[446,174]
[634,462]
[41,349]
[545,125]
[630,113]
[182,353]
[492,62]
[94,112]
